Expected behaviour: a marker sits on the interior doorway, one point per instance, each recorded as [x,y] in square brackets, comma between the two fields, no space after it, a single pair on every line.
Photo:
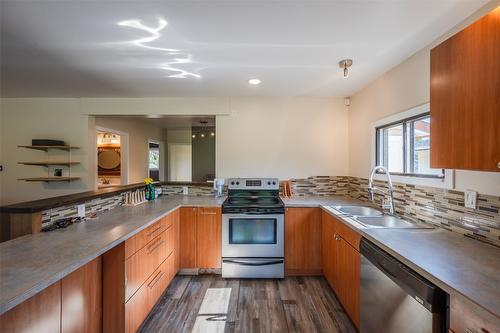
[112,157]
[179,162]
[155,160]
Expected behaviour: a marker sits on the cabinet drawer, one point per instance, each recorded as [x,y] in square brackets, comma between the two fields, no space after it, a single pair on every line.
[137,242]
[142,264]
[466,317]
[349,235]
[138,307]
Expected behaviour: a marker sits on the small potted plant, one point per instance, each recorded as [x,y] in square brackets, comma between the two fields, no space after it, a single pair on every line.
[150,189]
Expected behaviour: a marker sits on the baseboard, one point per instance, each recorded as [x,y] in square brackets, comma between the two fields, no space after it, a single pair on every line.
[303,272]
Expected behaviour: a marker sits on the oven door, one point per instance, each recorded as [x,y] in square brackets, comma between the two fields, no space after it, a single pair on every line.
[253,236]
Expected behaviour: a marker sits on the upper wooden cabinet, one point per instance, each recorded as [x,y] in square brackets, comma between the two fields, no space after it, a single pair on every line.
[303,241]
[465,98]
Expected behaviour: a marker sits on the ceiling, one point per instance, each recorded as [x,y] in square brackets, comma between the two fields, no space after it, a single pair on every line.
[113,48]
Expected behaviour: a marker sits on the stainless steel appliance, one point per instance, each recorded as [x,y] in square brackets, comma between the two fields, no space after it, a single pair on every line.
[396,299]
[253,229]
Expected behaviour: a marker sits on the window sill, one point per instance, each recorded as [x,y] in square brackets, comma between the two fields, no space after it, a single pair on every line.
[415,175]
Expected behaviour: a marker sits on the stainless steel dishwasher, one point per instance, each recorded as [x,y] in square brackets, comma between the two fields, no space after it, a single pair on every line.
[395,299]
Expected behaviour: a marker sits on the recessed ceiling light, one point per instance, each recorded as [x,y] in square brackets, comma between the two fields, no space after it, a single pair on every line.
[254,81]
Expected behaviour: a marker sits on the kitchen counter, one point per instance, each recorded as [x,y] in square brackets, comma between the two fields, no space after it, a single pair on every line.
[31,263]
[459,265]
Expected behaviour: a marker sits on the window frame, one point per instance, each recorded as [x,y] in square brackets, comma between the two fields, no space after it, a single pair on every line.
[445,180]
[405,122]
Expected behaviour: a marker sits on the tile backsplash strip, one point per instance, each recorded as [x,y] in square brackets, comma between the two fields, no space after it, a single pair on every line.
[100,205]
[93,206]
[440,207]
[321,185]
[192,190]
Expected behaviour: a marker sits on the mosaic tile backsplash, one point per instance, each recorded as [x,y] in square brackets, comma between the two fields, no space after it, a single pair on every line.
[100,205]
[440,207]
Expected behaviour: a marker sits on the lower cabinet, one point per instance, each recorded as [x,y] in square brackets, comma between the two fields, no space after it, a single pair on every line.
[70,305]
[341,263]
[303,254]
[200,237]
[137,272]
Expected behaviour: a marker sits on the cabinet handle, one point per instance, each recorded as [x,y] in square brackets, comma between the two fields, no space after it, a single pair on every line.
[208,213]
[151,248]
[498,165]
[156,279]
[336,237]
[155,230]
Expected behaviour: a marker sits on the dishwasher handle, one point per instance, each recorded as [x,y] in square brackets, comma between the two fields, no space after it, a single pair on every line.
[422,290]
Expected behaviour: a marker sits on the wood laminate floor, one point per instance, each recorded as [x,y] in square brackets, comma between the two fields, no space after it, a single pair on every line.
[209,303]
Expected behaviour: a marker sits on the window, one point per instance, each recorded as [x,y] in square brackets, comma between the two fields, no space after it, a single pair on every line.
[403,147]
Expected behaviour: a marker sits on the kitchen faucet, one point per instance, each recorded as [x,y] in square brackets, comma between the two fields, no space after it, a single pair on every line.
[389,205]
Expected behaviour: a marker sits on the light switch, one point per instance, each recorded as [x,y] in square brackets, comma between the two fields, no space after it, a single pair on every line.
[470,199]
[81,210]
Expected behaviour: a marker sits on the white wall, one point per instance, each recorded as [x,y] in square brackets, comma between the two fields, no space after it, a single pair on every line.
[25,119]
[285,138]
[405,86]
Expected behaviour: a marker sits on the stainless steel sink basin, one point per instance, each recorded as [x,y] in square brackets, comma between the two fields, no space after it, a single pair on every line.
[386,221]
[359,210]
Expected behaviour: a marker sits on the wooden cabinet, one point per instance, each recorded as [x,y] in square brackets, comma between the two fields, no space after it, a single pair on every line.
[341,263]
[465,98]
[208,238]
[303,254]
[188,217]
[40,313]
[72,304]
[81,299]
[200,237]
[466,316]
[348,270]
[133,283]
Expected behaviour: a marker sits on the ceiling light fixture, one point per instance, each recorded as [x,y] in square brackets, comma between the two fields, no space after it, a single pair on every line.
[254,82]
[345,64]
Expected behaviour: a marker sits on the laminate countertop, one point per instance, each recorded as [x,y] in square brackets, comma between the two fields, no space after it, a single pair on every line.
[460,266]
[31,263]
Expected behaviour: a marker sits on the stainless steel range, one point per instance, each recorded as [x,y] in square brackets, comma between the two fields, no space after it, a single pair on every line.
[253,229]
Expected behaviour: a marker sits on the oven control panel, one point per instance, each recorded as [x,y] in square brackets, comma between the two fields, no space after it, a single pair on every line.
[253,183]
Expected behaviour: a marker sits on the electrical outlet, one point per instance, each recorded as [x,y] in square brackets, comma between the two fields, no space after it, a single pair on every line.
[470,199]
[81,210]
[185,190]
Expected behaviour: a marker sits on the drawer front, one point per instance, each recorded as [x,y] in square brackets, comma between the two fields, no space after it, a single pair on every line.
[466,317]
[137,242]
[349,235]
[142,264]
[160,280]
[138,307]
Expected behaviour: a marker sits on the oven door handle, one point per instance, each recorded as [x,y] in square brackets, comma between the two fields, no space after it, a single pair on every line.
[253,263]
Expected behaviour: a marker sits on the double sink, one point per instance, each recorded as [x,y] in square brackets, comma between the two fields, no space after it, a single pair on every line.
[374,218]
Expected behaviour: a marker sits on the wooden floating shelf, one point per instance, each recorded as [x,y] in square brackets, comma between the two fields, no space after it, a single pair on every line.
[49,179]
[46,148]
[49,163]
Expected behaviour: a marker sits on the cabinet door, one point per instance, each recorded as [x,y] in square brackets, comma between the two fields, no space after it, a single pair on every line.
[303,254]
[188,216]
[328,249]
[81,299]
[40,313]
[465,98]
[209,238]
[349,264]
[177,242]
